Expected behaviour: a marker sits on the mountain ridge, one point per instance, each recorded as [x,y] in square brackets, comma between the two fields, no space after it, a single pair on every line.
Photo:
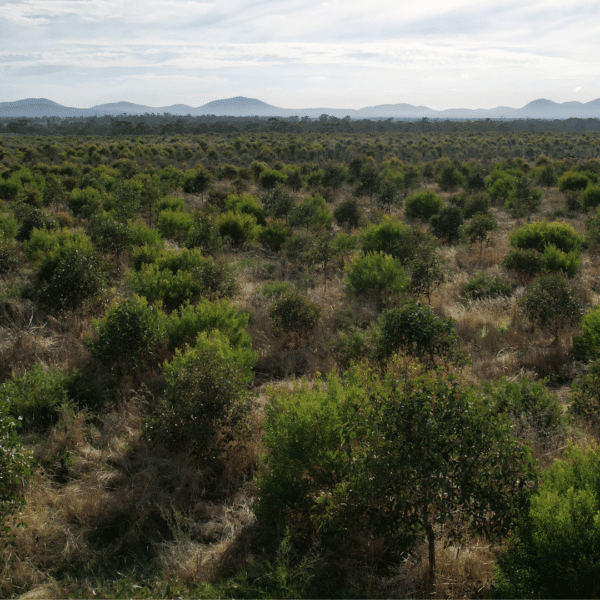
[241,106]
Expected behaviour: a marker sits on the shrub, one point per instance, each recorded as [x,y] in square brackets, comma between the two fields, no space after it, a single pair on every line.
[376,275]
[295,315]
[109,235]
[10,257]
[8,226]
[174,225]
[476,204]
[422,205]
[43,243]
[274,290]
[550,302]
[554,259]
[538,235]
[205,401]
[142,234]
[204,234]
[85,202]
[587,345]
[36,396]
[585,397]
[240,229]
[312,213]
[572,182]
[590,197]
[31,218]
[170,203]
[528,404]
[247,205]
[184,326]
[348,213]
[447,222]
[426,270]
[269,178]
[129,336]
[16,465]
[553,550]
[483,285]
[298,246]
[274,235]
[416,329]
[523,200]
[278,203]
[197,181]
[527,263]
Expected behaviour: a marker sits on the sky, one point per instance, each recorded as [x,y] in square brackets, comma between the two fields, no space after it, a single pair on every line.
[309,54]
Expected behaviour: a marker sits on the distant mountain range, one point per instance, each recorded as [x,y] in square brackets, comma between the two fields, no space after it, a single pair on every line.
[250,107]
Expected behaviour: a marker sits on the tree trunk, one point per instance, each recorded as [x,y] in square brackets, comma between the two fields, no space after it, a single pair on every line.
[431,544]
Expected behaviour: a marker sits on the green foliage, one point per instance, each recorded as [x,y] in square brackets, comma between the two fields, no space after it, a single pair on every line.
[550,302]
[557,260]
[585,397]
[108,234]
[174,225]
[278,203]
[447,223]
[170,203]
[204,234]
[247,205]
[449,178]
[36,396]
[531,407]
[423,205]
[590,197]
[482,285]
[274,290]
[31,218]
[572,182]
[16,465]
[295,315]
[527,263]
[479,229]
[500,185]
[471,204]
[376,275]
[8,226]
[141,234]
[540,234]
[10,256]
[592,233]
[426,270]
[274,235]
[269,178]
[197,181]
[129,336]
[348,213]
[524,200]
[44,242]
[312,213]
[240,229]
[553,551]
[298,246]
[205,403]
[85,202]
[417,330]
[587,345]
[184,326]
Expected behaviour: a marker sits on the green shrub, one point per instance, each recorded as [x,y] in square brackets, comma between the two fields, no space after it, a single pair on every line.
[550,302]
[295,315]
[278,203]
[538,235]
[376,275]
[8,226]
[553,550]
[109,235]
[174,225]
[205,403]
[297,247]
[590,197]
[240,229]
[10,257]
[274,290]
[587,345]
[554,259]
[524,262]
[423,205]
[483,285]
[204,234]
[274,235]
[36,396]
[446,223]
[85,202]
[585,397]
[529,405]
[144,255]
[246,204]
[31,218]
[142,234]
[572,182]
[16,465]
[184,326]
[417,330]
[348,213]
[476,204]
[170,203]
[197,181]
[312,213]
[129,336]
[269,178]
[44,242]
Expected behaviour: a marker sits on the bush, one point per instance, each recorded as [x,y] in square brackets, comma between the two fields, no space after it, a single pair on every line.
[269,178]
[529,405]
[298,246]
[43,243]
[554,259]
[585,397]
[312,213]
[376,275]
[184,326]
[274,290]
[85,202]
[142,234]
[129,336]
[348,213]
[295,315]
[572,182]
[527,263]
[31,218]
[36,396]
[278,203]
[274,235]
[10,257]
[205,401]
[553,551]
[109,235]
[417,330]
[483,285]
[8,226]
[479,230]
[204,234]
[16,465]
[587,345]
[240,229]
[247,205]
[538,235]
[476,204]
[447,222]
[170,203]
[174,225]
[423,205]
[550,302]
[590,197]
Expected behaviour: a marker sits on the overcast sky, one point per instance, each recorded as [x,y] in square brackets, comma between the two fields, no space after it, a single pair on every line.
[338,54]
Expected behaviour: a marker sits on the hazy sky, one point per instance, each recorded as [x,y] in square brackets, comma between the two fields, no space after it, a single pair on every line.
[339,54]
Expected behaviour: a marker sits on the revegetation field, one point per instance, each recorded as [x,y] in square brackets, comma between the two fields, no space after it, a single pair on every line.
[310,364]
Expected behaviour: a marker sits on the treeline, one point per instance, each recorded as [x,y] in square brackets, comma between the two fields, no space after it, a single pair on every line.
[167,124]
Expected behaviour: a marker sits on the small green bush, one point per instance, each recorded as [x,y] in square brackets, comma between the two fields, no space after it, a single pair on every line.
[416,329]
[298,246]
[174,225]
[278,203]
[483,285]
[142,234]
[348,213]
[446,223]
[527,263]
[587,345]
[85,202]
[10,257]
[553,550]
[31,218]
[585,397]
[274,235]
[572,182]
[479,230]
[295,315]
[538,235]
[129,336]
[376,275]
[8,226]
[36,396]
[274,290]
[557,260]
[423,205]
[590,197]
[170,203]
[205,403]
[204,235]
[246,204]
[240,229]
[312,214]
[184,326]
[109,235]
